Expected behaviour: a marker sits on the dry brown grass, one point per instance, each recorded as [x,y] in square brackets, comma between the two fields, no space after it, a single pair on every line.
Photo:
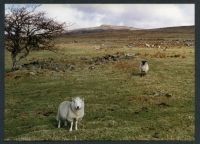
[126,65]
[159,55]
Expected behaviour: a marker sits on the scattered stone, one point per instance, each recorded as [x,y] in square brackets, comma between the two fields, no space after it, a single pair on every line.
[147,45]
[75,41]
[163,104]
[130,45]
[91,67]
[188,44]
[110,57]
[110,109]
[49,64]
[83,58]
[47,113]
[71,67]
[17,77]
[32,73]
[168,95]
[164,49]
[175,56]
[137,112]
[143,109]
[155,135]
[102,45]
[129,56]
[160,93]
[97,47]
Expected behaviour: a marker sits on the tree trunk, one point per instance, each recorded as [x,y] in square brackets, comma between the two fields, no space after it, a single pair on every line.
[14,61]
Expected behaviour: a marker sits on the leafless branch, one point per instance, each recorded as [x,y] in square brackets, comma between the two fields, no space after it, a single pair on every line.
[27,30]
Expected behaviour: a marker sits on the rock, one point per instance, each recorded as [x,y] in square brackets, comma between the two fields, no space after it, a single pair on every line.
[160,93]
[168,95]
[17,77]
[147,45]
[83,58]
[47,113]
[144,109]
[110,57]
[130,45]
[156,93]
[97,47]
[163,104]
[188,44]
[91,67]
[32,73]
[129,56]
[75,41]
[71,67]
[48,64]
[155,135]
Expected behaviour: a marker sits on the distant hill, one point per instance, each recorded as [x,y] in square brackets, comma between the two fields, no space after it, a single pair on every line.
[102,28]
[168,36]
[175,29]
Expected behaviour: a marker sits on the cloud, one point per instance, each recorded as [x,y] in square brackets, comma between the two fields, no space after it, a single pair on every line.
[135,15]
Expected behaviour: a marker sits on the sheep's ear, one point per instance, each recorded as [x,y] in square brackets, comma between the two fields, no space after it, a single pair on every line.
[83,99]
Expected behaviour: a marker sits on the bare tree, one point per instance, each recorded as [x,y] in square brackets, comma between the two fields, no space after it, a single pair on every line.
[27,30]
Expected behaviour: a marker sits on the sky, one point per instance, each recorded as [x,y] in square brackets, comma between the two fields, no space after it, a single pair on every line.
[133,15]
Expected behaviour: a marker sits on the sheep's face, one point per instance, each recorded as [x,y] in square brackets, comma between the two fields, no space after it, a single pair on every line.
[143,62]
[78,103]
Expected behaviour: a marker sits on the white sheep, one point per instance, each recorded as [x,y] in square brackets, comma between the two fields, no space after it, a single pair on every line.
[144,67]
[70,111]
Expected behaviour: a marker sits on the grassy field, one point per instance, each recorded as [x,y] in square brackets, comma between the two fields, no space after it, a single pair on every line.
[119,104]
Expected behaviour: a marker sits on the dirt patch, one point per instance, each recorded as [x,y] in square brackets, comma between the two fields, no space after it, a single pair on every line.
[9,74]
[45,113]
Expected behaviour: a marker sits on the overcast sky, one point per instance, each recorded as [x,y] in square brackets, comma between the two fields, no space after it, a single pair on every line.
[135,15]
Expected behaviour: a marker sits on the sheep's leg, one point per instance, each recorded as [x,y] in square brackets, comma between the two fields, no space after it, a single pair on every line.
[58,123]
[76,125]
[71,126]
